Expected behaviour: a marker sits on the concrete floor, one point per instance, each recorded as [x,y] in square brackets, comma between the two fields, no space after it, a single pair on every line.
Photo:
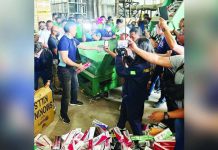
[106,111]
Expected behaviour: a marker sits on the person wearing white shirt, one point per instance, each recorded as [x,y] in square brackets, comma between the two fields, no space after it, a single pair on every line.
[45,34]
[41,27]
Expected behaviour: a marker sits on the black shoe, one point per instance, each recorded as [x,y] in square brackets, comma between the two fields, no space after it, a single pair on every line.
[65,119]
[78,103]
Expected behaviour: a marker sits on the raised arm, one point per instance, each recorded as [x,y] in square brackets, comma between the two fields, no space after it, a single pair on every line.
[169,38]
[110,52]
[150,57]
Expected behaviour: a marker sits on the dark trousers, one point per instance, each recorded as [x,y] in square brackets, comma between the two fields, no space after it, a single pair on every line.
[179,127]
[133,114]
[55,83]
[70,84]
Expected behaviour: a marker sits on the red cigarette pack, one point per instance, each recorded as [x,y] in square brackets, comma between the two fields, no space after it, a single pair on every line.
[164,145]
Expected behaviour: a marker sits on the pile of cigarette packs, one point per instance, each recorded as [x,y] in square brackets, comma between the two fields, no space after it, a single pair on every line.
[101,137]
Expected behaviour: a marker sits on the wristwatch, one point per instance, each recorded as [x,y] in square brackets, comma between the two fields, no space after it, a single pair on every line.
[166,116]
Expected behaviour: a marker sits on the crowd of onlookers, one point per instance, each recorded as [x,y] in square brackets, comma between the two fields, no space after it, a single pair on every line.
[101,28]
[166,52]
[56,55]
[50,32]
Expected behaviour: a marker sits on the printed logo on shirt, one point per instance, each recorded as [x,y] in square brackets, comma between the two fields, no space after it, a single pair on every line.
[161,44]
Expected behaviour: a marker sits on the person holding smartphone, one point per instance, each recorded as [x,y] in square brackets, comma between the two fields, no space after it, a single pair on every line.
[68,49]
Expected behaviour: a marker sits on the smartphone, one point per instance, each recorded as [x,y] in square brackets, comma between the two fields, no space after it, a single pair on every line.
[106,44]
[164,13]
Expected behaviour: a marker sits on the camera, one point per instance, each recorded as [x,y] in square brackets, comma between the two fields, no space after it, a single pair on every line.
[121,47]
[121,50]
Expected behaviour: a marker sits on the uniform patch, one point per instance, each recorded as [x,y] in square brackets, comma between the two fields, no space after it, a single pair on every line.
[132,73]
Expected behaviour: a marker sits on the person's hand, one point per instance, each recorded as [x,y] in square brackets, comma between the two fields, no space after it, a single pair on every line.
[162,23]
[48,84]
[169,52]
[44,45]
[80,67]
[132,44]
[156,116]
[106,49]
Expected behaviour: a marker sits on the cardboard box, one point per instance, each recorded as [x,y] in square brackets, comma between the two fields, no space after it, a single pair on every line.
[164,145]
[43,109]
[42,142]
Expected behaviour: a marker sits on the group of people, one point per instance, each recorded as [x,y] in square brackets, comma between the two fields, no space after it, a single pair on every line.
[153,57]
[167,54]
[50,33]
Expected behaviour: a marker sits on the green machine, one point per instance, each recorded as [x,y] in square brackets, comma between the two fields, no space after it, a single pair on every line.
[101,76]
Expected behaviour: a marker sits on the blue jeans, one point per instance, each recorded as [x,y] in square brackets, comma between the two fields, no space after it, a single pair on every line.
[70,84]
[179,128]
[156,76]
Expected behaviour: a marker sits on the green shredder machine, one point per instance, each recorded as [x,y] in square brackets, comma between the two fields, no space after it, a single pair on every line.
[101,76]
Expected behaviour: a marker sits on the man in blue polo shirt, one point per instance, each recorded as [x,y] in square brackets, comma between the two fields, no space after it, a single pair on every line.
[67,49]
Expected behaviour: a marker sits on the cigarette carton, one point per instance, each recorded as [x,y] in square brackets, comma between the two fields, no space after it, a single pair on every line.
[164,135]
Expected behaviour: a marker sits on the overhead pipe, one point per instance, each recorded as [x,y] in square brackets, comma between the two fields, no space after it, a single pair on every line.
[148,7]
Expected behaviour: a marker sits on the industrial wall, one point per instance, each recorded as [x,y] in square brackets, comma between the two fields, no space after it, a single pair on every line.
[96,8]
[42,12]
